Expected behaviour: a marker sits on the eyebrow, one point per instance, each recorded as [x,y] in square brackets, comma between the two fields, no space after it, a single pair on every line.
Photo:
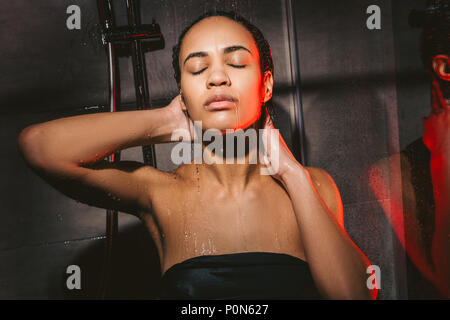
[205,54]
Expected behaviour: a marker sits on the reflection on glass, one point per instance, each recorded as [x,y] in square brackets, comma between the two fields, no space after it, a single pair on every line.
[420,213]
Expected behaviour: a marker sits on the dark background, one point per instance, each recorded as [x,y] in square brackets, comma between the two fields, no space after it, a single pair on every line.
[363,93]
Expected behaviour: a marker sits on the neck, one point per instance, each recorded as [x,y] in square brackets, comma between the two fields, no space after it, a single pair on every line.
[439,100]
[234,178]
[231,165]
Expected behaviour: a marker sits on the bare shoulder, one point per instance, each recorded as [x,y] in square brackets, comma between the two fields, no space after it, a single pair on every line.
[328,191]
[386,172]
[321,179]
[390,163]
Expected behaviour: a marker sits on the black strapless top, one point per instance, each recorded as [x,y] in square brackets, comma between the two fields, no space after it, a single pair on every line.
[246,275]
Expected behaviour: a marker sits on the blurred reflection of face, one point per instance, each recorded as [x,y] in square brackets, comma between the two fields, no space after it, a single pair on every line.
[218,56]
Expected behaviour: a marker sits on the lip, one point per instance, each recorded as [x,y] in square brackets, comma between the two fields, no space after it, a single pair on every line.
[220,105]
[220,102]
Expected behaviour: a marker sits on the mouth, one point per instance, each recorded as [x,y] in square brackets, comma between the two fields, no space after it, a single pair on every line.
[220,102]
[220,105]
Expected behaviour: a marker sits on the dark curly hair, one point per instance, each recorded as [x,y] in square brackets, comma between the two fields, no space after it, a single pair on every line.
[435,38]
[434,41]
[265,54]
[435,24]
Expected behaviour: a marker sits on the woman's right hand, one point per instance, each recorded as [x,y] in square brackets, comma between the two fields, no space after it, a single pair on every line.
[179,119]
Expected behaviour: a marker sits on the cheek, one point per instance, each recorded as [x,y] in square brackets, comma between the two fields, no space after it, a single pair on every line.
[250,91]
[191,94]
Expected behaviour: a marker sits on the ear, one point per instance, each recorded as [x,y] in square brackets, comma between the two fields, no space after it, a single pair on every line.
[268,86]
[441,66]
[183,104]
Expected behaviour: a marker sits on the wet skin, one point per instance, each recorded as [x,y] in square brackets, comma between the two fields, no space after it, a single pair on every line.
[217,209]
[205,209]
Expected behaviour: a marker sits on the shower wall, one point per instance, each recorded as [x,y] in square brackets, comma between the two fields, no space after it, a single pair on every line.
[349,100]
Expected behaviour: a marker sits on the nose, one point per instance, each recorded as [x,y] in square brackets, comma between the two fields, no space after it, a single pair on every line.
[218,77]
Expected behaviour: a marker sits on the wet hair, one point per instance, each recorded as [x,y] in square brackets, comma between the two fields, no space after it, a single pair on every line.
[433,42]
[265,54]
[435,24]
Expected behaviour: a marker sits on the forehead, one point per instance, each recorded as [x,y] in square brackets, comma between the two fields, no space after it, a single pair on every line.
[216,33]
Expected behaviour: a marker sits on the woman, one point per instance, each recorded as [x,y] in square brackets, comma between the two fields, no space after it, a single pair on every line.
[222,231]
[422,218]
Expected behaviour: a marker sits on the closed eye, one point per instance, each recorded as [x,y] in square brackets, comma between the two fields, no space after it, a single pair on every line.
[233,65]
[236,66]
[198,72]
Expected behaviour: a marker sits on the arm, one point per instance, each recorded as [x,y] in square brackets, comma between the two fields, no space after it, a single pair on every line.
[401,212]
[390,182]
[436,136]
[337,264]
[67,153]
[440,247]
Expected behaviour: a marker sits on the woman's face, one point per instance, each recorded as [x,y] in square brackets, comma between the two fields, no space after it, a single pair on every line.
[219,62]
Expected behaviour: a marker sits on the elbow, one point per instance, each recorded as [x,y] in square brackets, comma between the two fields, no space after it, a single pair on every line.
[349,289]
[358,286]
[360,293]
[28,143]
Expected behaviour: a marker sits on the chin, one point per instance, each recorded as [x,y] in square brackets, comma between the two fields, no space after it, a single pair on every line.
[224,121]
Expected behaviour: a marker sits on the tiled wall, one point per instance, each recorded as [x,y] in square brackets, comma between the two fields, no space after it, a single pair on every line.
[348,94]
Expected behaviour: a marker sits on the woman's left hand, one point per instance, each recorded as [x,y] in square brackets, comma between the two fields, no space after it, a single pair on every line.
[276,155]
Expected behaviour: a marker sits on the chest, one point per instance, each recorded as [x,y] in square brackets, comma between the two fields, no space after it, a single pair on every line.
[259,220]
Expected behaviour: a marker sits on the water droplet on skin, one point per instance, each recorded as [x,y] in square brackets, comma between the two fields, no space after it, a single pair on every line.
[276,240]
[204,251]
[236,117]
[198,179]
[195,245]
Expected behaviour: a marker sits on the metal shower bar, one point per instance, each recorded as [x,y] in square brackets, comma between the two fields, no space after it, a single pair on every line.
[299,129]
[133,33]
